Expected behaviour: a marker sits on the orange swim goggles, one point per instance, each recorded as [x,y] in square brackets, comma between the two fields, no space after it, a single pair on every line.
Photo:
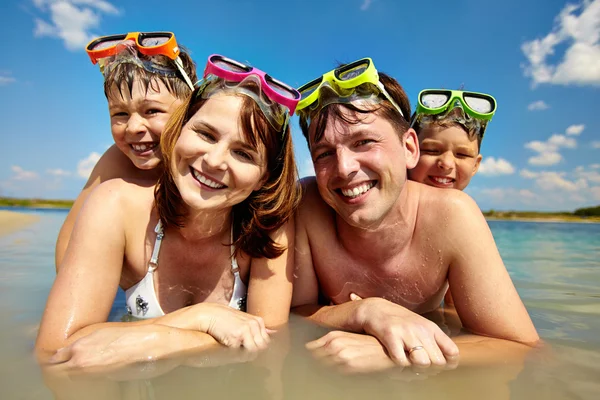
[103,49]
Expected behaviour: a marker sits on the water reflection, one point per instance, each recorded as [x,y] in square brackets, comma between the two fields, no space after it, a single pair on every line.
[554,267]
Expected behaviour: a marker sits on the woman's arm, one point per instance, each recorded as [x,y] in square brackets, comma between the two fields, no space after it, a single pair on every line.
[270,286]
[85,286]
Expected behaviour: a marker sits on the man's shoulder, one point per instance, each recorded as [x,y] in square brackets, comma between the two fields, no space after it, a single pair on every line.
[435,200]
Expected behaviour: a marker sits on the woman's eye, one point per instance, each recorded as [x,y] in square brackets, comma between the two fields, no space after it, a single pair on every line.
[206,136]
[153,111]
[244,155]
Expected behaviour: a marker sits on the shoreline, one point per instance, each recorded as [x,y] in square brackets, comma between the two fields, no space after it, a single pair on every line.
[11,221]
[549,219]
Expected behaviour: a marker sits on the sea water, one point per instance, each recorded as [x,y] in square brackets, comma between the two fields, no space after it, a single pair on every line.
[554,266]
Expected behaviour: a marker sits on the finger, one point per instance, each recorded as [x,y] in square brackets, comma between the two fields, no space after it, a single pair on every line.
[62,355]
[249,341]
[445,344]
[397,354]
[434,353]
[354,296]
[417,354]
[260,335]
[264,332]
[323,341]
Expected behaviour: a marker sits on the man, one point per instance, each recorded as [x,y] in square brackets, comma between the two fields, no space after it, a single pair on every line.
[364,232]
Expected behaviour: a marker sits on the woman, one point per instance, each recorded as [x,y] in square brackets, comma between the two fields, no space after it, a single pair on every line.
[218,221]
[146,77]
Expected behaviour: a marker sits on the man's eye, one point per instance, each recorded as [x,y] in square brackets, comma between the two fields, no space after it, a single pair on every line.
[322,155]
[364,141]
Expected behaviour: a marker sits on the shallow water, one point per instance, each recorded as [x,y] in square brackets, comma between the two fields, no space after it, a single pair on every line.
[555,267]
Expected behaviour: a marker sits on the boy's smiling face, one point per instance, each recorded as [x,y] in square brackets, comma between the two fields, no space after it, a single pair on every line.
[449,158]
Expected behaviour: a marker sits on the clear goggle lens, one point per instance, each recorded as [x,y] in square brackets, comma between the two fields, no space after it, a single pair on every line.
[481,105]
[353,72]
[154,41]
[434,100]
[230,65]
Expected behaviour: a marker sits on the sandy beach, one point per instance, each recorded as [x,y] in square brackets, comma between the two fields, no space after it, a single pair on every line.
[13,221]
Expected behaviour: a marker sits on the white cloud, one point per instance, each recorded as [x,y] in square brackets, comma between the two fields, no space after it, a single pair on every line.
[71,20]
[492,167]
[580,63]
[547,158]
[307,168]
[549,180]
[595,191]
[575,130]
[365,5]
[23,175]
[562,141]
[5,79]
[548,151]
[596,144]
[595,166]
[589,175]
[58,172]
[85,166]
[538,106]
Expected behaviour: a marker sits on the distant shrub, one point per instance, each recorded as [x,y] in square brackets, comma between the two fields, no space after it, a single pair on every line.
[588,212]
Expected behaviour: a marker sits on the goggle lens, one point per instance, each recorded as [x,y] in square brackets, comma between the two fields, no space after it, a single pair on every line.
[434,100]
[106,44]
[281,88]
[154,41]
[230,65]
[479,104]
[352,72]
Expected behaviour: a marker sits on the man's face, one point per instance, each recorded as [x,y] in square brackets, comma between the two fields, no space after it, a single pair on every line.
[361,168]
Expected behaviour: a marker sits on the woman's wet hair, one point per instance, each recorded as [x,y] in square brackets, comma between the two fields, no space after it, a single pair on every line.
[318,120]
[265,210]
[123,76]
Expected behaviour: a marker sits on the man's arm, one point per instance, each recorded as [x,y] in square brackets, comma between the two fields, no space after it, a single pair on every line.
[484,295]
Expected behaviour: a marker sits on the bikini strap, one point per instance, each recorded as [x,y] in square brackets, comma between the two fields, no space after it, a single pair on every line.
[153,263]
[234,265]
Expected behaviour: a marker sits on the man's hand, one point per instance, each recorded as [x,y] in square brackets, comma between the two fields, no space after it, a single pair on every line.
[409,338]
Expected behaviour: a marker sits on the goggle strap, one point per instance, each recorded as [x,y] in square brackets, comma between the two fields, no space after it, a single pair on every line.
[390,98]
[187,79]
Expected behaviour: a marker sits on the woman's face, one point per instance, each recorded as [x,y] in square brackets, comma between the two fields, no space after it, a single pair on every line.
[138,119]
[213,166]
[449,158]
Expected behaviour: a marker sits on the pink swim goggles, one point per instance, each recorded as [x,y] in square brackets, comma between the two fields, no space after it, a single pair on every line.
[281,100]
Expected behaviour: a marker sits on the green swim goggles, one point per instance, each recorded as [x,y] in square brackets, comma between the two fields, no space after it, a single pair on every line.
[478,108]
[349,82]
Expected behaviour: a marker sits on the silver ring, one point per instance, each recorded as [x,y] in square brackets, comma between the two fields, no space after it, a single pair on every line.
[414,349]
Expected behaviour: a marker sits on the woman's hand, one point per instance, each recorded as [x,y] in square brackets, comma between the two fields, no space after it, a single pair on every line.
[409,338]
[231,328]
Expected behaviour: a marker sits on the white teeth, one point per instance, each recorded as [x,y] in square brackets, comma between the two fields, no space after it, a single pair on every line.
[207,181]
[357,191]
[441,180]
[141,147]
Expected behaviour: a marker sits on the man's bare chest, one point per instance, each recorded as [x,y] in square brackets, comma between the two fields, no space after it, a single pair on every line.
[416,280]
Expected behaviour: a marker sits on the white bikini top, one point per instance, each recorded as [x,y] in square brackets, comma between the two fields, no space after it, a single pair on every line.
[141,298]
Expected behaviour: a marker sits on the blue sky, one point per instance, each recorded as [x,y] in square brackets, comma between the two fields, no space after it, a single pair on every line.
[539,58]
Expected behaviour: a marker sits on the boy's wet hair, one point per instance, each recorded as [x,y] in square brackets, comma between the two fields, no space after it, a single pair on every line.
[124,75]
[449,120]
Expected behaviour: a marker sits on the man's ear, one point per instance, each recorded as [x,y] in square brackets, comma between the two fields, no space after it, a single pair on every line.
[477,163]
[411,148]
